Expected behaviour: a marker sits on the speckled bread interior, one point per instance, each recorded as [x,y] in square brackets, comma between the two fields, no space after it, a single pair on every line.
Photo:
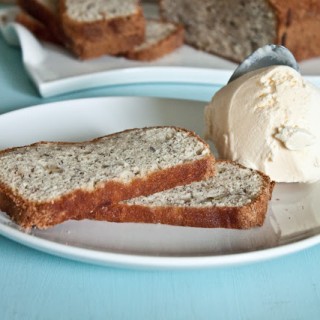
[93,28]
[236,197]
[161,38]
[235,28]
[51,182]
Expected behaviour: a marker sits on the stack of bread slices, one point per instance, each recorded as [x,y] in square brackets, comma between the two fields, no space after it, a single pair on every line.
[161,175]
[92,28]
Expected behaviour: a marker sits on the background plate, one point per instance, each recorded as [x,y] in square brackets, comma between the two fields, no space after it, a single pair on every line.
[55,71]
[293,220]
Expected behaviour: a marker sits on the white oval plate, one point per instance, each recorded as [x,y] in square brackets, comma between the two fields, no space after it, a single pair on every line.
[292,224]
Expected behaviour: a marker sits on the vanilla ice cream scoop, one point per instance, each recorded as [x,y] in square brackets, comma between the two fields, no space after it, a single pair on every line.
[269,120]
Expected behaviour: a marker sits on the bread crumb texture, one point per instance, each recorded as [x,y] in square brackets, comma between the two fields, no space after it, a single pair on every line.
[229,28]
[233,186]
[155,32]
[44,171]
[93,10]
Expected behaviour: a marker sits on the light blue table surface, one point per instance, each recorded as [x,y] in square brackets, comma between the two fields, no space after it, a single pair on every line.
[35,285]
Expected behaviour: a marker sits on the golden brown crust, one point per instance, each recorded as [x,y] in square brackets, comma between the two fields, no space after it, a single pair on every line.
[111,45]
[44,214]
[88,40]
[108,36]
[97,29]
[298,25]
[36,27]
[161,48]
[45,16]
[245,217]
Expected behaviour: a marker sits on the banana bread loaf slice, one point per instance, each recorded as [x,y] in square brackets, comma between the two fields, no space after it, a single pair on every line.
[36,27]
[112,27]
[235,28]
[45,12]
[49,182]
[236,197]
[161,38]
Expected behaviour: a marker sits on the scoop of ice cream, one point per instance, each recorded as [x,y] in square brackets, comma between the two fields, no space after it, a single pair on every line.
[269,120]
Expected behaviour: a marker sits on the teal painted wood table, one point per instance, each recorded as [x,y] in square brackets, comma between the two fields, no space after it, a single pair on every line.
[36,285]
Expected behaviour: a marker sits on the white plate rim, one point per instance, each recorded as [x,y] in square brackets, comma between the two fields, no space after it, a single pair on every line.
[137,261]
[154,262]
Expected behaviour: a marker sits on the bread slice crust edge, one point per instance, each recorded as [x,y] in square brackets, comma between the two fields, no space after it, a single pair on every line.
[161,48]
[83,201]
[248,216]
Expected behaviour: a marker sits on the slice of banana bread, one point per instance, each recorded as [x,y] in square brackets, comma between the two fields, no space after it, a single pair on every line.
[46,12]
[91,28]
[36,27]
[112,26]
[161,38]
[236,197]
[49,182]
